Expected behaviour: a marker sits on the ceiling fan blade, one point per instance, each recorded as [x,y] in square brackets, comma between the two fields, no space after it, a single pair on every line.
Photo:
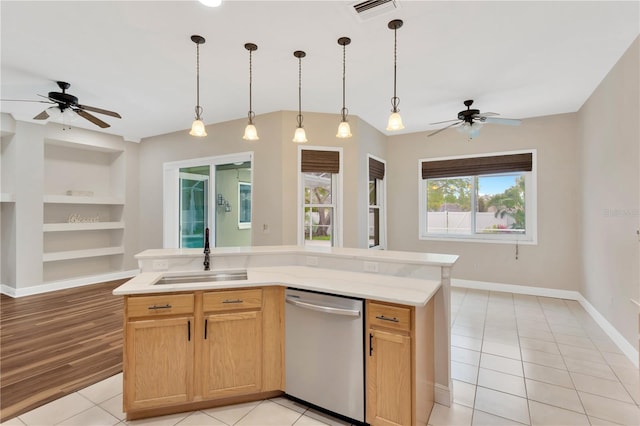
[487,114]
[42,116]
[25,100]
[100,111]
[95,120]
[444,128]
[446,121]
[507,121]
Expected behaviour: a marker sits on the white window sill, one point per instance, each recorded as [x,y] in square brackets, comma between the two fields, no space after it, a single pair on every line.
[467,239]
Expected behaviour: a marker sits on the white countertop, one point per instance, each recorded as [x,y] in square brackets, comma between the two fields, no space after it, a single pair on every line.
[406,291]
[433,259]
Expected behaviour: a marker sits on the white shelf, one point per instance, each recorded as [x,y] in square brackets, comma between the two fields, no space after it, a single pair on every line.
[7,197]
[94,226]
[70,199]
[81,254]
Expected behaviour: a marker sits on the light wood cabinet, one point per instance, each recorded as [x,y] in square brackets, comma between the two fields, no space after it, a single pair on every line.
[399,365]
[159,356]
[232,349]
[191,350]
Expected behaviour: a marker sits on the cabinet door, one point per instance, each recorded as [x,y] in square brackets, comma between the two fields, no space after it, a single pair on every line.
[389,379]
[159,364]
[232,358]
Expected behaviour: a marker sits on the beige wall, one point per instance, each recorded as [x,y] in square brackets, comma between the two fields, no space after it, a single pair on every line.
[275,172]
[554,261]
[227,232]
[610,157]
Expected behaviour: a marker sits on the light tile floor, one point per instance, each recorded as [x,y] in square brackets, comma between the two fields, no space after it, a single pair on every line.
[515,360]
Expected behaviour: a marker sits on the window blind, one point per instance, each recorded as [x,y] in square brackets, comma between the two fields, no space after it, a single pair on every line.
[477,166]
[320,161]
[376,169]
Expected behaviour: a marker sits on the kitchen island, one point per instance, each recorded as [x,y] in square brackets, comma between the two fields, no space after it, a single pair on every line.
[243,295]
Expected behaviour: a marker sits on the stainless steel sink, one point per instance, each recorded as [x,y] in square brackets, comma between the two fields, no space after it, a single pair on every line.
[206,277]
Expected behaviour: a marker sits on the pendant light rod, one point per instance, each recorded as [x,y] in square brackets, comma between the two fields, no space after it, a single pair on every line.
[251,47]
[299,54]
[250,131]
[299,135]
[198,40]
[344,42]
[344,130]
[197,127]
[394,25]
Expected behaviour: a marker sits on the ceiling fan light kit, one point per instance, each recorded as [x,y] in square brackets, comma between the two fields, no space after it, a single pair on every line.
[197,127]
[470,121]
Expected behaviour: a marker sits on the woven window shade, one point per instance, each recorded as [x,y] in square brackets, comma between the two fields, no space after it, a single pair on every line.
[477,166]
[320,161]
[376,169]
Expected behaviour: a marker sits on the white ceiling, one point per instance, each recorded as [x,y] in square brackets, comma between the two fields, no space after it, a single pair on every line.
[519,59]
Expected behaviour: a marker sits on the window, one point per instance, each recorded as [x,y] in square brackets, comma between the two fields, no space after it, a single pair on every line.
[201,193]
[320,194]
[490,197]
[244,205]
[376,222]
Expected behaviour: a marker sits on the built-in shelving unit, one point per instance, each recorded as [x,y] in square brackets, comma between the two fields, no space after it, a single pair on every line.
[82,232]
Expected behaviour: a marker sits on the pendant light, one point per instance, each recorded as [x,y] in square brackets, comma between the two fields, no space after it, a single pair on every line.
[300,135]
[344,130]
[250,132]
[395,121]
[197,128]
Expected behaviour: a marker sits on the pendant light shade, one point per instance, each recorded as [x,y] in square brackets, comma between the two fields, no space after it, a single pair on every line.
[344,130]
[197,128]
[250,132]
[395,121]
[299,136]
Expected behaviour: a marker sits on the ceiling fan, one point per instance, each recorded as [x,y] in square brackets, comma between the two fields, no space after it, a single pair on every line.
[471,120]
[67,102]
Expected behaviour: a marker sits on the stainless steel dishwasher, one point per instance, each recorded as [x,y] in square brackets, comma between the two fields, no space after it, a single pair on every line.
[324,351]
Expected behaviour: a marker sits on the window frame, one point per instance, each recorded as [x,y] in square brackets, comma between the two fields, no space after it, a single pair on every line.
[336,198]
[530,236]
[381,199]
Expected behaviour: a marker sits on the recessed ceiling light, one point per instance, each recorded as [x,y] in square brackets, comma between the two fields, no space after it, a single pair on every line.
[211,3]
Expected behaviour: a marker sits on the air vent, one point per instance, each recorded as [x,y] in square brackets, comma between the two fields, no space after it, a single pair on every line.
[371,8]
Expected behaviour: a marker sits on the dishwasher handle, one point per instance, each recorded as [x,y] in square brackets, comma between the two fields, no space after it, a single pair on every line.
[322,308]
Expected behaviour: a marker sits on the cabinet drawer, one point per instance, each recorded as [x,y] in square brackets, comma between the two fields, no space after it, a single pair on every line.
[231,300]
[387,316]
[170,304]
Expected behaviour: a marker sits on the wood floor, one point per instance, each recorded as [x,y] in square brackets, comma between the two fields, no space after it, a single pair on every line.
[56,343]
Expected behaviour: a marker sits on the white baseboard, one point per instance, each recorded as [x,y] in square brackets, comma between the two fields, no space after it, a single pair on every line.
[443,394]
[627,348]
[64,284]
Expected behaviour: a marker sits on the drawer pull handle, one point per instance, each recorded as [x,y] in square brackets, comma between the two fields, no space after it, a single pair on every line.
[232,301]
[154,307]
[189,331]
[383,318]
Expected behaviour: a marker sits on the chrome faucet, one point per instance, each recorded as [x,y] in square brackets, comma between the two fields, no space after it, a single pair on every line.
[206,249]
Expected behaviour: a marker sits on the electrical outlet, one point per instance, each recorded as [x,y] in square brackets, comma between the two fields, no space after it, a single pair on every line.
[312,260]
[265,228]
[160,265]
[371,266]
